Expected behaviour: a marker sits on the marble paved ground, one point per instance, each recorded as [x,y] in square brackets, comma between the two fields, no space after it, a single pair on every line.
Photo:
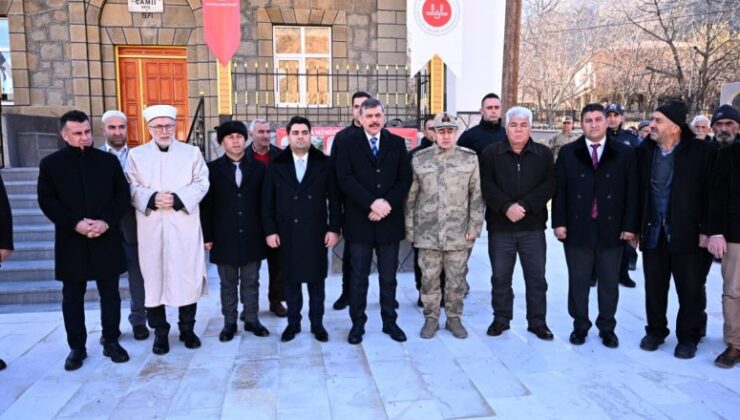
[512,376]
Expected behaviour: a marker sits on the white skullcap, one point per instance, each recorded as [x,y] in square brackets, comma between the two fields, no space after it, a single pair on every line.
[156,111]
[113,113]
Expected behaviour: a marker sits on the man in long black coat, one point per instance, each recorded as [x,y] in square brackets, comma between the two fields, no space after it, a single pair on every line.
[674,170]
[374,175]
[300,214]
[83,191]
[594,211]
[231,219]
[6,232]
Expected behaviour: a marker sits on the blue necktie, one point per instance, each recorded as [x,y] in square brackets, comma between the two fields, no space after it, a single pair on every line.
[374,146]
[300,169]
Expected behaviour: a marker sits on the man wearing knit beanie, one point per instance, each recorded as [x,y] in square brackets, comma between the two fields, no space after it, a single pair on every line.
[726,125]
[232,228]
[674,226]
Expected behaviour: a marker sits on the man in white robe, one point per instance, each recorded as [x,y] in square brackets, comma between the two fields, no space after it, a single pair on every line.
[168,180]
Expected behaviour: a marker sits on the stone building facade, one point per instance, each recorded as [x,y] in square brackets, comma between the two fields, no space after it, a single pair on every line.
[67,54]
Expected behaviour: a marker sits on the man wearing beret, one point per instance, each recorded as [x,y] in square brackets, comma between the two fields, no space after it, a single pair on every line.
[674,169]
[724,226]
[232,228]
[168,180]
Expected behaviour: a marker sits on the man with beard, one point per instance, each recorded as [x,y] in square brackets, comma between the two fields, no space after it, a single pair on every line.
[674,169]
[489,130]
[168,180]
[115,131]
[724,226]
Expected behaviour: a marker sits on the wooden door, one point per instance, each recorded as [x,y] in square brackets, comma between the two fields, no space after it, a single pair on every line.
[151,76]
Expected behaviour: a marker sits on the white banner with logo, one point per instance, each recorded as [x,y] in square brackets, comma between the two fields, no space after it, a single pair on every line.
[435,27]
[146,6]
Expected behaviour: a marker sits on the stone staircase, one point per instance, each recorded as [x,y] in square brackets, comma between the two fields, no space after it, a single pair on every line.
[28,276]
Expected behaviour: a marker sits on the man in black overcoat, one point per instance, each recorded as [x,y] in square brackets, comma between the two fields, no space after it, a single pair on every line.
[231,219]
[300,213]
[83,191]
[674,169]
[374,174]
[594,211]
[6,232]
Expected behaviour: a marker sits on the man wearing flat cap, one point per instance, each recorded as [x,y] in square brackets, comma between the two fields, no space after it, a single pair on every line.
[674,169]
[724,226]
[443,216]
[232,228]
[562,138]
[168,180]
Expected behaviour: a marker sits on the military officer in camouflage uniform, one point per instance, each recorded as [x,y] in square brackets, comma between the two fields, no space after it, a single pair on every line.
[444,215]
[562,138]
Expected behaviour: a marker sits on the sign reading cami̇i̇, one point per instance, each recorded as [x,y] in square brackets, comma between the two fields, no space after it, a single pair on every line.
[146,6]
[221,27]
[435,27]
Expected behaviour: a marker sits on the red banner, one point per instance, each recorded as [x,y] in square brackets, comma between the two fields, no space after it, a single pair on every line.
[222,27]
[323,137]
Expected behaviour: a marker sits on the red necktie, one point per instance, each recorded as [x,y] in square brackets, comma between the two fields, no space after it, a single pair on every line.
[595,162]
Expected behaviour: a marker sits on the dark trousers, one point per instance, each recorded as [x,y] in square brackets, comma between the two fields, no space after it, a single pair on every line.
[417,274]
[582,262]
[275,291]
[346,269]
[158,319]
[294,299]
[73,310]
[137,316]
[240,282]
[362,257]
[531,247]
[688,270]
[629,256]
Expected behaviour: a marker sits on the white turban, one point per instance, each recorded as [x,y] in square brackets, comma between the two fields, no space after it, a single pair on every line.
[156,111]
[113,113]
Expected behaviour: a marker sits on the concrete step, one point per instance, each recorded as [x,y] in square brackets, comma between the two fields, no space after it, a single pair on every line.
[17,270]
[30,216]
[45,291]
[33,250]
[23,201]
[21,187]
[20,174]
[33,232]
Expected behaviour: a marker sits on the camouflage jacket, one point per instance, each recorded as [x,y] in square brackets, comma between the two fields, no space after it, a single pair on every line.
[444,202]
[559,140]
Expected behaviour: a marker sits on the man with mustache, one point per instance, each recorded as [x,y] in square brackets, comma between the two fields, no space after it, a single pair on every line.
[168,180]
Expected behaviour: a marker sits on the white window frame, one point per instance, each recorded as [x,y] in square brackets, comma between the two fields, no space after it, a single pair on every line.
[6,53]
[301,58]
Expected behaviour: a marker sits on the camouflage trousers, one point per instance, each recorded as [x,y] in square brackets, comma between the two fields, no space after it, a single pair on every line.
[455,265]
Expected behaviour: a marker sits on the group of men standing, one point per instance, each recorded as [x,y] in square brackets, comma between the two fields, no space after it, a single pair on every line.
[154,210]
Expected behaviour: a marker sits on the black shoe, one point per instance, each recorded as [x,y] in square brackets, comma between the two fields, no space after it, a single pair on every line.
[320,333]
[290,332]
[395,332]
[141,332]
[227,333]
[74,360]
[257,329]
[190,339]
[578,337]
[2,364]
[726,360]
[419,303]
[543,333]
[497,328]
[685,351]
[651,342]
[116,353]
[161,345]
[342,302]
[278,309]
[242,316]
[355,335]
[609,339]
[627,282]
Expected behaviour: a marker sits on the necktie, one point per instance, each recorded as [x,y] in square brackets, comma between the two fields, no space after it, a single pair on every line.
[595,162]
[237,174]
[300,169]
[374,146]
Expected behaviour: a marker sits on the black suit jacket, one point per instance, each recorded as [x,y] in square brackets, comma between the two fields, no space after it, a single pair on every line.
[301,214]
[689,205]
[231,216]
[362,179]
[6,219]
[724,200]
[74,185]
[613,184]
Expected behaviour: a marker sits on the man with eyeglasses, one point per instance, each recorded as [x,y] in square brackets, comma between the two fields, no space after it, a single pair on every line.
[168,180]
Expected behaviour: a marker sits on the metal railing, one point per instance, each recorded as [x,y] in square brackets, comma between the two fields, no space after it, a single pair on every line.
[197,133]
[326,95]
